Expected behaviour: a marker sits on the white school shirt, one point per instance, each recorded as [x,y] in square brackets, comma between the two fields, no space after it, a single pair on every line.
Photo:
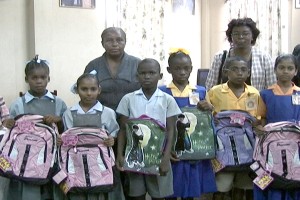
[160,106]
[108,117]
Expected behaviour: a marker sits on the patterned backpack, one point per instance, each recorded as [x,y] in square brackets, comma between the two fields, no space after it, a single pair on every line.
[235,139]
[277,153]
[86,163]
[28,150]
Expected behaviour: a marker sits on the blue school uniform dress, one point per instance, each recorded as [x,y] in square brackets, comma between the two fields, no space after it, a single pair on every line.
[279,108]
[45,105]
[191,178]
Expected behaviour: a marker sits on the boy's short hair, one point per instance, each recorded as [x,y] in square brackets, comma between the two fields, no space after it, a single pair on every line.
[230,60]
[148,61]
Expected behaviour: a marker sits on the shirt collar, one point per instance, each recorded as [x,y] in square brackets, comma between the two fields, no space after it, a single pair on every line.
[277,90]
[29,97]
[157,92]
[226,89]
[97,107]
[188,86]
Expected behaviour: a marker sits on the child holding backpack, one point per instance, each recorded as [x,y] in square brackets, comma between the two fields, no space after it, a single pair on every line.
[154,103]
[89,112]
[190,178]
[5,122]
[282,104]
[235,94]
[37,100]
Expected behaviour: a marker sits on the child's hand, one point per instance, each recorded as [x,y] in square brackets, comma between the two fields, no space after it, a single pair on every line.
[120,163]
[174,157]
[110,141]
[164,167]
[204,106]
[259,130]
[8,123]
[49,119]
[59,140]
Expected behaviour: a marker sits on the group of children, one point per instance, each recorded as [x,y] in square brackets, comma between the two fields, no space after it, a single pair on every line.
[177,179]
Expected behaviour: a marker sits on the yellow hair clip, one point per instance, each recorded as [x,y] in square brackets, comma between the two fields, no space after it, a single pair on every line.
[176,50]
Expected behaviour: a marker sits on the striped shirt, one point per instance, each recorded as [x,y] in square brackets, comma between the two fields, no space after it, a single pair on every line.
[262,70]
[4,112]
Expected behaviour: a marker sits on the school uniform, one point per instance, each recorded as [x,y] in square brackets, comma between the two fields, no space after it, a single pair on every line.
[98,116]
[28,104]
[190,179]
[4,182]
[279,107]
[223,98]
[159,107]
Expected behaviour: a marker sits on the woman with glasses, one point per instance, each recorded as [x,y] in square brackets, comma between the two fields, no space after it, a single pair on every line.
[242,34]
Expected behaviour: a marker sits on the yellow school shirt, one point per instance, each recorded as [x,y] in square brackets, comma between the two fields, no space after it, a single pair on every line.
[222,98]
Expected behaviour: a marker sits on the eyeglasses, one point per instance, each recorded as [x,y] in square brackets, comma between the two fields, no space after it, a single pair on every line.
[238,69]
[244,34]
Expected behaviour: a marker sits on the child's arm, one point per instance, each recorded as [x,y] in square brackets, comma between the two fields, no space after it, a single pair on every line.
[165,161]
[121,142]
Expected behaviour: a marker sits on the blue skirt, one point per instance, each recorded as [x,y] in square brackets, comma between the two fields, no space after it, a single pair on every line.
[272,194]
[193,178]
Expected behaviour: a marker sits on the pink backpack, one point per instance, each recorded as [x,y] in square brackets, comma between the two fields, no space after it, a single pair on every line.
[86,163]
[277,152]
[28,150]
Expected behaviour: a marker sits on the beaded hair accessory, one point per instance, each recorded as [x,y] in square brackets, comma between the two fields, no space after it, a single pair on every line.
[36,59]
[178,50]
[73,88]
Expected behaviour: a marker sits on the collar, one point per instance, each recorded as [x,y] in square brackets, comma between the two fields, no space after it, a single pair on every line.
[157,92]
[277,90]
[226,89]
[188,86]
[97,107]
[29,97]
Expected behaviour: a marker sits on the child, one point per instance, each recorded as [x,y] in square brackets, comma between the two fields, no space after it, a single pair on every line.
[190,179]
[37,100]
[90,112]
[234,95]
[280,106]
[150,101]
[5,122]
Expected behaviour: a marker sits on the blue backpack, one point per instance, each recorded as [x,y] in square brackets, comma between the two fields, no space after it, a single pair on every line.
[235,139]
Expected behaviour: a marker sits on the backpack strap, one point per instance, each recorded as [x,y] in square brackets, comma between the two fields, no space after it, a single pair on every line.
[221,66]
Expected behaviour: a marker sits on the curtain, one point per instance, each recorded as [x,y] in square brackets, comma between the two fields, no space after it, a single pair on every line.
[271,19]
[143,22]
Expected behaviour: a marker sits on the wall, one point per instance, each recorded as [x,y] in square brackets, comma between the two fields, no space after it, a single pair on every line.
[67,37]
[294,26]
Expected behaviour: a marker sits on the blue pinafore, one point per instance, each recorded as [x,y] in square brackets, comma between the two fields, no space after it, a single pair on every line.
[191,178]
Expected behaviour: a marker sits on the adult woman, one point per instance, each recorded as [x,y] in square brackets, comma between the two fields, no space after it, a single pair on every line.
[242,34]
[296,53]
[116,71]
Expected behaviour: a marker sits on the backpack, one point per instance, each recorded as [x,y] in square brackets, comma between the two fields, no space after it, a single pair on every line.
[145,145]
[235,139]
[28,151]
[277,152]
[85,162]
